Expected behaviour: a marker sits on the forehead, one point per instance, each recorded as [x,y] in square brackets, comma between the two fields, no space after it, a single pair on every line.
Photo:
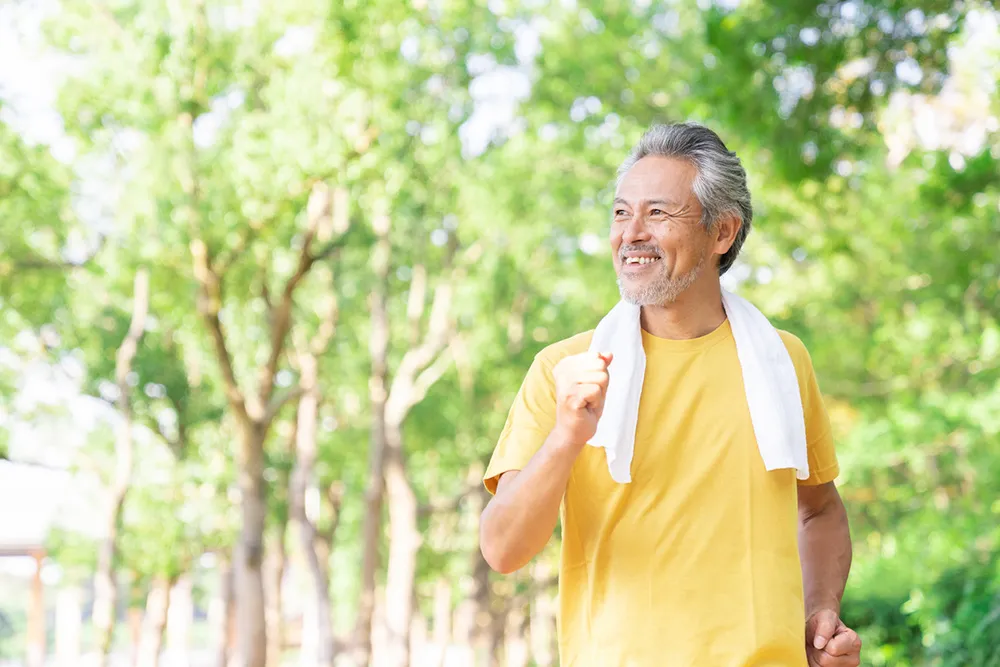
[657,177]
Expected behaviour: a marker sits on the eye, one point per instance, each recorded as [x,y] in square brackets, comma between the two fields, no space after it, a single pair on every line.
[657,211]
[619,212]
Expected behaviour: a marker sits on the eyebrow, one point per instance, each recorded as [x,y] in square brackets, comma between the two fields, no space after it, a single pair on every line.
[660,202]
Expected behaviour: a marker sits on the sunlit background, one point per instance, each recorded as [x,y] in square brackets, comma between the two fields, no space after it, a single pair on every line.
[271,272]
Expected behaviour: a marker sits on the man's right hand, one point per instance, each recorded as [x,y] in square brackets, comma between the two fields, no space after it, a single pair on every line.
[520,518]
[581,386]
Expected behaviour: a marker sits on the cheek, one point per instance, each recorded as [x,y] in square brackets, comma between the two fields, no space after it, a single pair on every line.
[615,241]
[669,243]
[682,248]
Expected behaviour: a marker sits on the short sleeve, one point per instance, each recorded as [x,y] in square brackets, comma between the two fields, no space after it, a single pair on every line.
[823,465]
[529,422]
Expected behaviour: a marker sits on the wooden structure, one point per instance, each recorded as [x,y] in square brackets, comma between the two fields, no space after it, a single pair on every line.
[31,497]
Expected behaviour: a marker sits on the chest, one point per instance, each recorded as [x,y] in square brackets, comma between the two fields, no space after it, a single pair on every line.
[694,429]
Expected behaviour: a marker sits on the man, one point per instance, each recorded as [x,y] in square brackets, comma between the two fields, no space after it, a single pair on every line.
[704,557]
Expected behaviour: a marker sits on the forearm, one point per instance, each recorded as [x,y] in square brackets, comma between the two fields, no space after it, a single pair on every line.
[519,520]
[825,551]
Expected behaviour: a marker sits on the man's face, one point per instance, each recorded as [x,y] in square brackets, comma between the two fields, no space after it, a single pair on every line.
[658,241]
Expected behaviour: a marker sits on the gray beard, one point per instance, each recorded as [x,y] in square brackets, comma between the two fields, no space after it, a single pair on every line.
[662,290]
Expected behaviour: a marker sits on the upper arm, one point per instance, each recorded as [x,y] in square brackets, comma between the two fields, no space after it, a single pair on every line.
[823,464]
[504,481]
[529,422]
[816,499]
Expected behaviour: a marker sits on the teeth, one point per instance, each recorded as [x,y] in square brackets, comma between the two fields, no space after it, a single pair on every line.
[640,260]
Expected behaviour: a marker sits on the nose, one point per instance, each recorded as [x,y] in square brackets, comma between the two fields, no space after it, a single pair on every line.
[635,230]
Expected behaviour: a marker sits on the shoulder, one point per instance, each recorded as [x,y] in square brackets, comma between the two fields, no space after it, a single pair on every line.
[540,380]
[796,350]
[552,354]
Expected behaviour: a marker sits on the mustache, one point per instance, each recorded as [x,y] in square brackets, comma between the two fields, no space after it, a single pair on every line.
[642,247]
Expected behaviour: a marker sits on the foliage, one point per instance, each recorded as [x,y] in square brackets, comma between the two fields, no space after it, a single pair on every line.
[219,124]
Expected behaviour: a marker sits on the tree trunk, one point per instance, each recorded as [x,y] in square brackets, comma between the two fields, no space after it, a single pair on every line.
[134,616]
[418,640]
[484,611]
[36,617]
[251,624]
[404,543]
[275,574]
[380,639]
[461,650]
[489,616]
[320,651]
[517,649]
[155,621]
[378,393]
[543,616]
[69,615]
[105,586]
[222,615]
[442,623]
[180,614]
[253,412]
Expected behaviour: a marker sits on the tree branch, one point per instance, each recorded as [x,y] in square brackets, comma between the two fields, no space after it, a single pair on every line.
[279,401]
[451,505]
[424,364]
[429,376]
[417,302]
[281,323]
[515,322]
[335,499]
[328,325]
[209,304]
[318,210]
[330,248]
[226,258]
[436,336]
[460,353]
[130,346]
[41,263]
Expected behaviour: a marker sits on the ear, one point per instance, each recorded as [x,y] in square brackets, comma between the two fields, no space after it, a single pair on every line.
[723,233]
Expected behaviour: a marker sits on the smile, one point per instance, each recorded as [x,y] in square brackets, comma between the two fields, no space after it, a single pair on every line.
[640,260]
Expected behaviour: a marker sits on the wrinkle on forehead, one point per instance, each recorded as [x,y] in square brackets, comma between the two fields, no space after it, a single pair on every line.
[658,178]
[659,201]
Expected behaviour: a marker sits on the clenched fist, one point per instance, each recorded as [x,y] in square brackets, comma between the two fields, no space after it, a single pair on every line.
[581,385]
[830,643]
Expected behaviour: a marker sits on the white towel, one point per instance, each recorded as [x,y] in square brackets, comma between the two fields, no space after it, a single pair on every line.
[772,387]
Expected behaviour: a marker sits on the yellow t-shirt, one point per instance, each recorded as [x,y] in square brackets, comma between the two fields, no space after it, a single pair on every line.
[695,562]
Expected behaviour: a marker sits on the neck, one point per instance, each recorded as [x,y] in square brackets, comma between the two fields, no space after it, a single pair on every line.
[696,312]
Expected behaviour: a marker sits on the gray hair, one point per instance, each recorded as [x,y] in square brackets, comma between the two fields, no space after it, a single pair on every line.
[721,182]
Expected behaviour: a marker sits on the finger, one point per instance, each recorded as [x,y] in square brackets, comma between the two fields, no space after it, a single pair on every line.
[591,361]
[607,357]
[589,395]
[824,659]
[826,627]
[843,643]
[593,377]
[598,405]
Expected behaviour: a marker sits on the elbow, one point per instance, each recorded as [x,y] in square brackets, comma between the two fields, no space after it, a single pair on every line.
[495,553]
[499,562]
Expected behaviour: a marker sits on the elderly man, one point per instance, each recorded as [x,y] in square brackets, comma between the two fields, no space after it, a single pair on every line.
[696,544]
